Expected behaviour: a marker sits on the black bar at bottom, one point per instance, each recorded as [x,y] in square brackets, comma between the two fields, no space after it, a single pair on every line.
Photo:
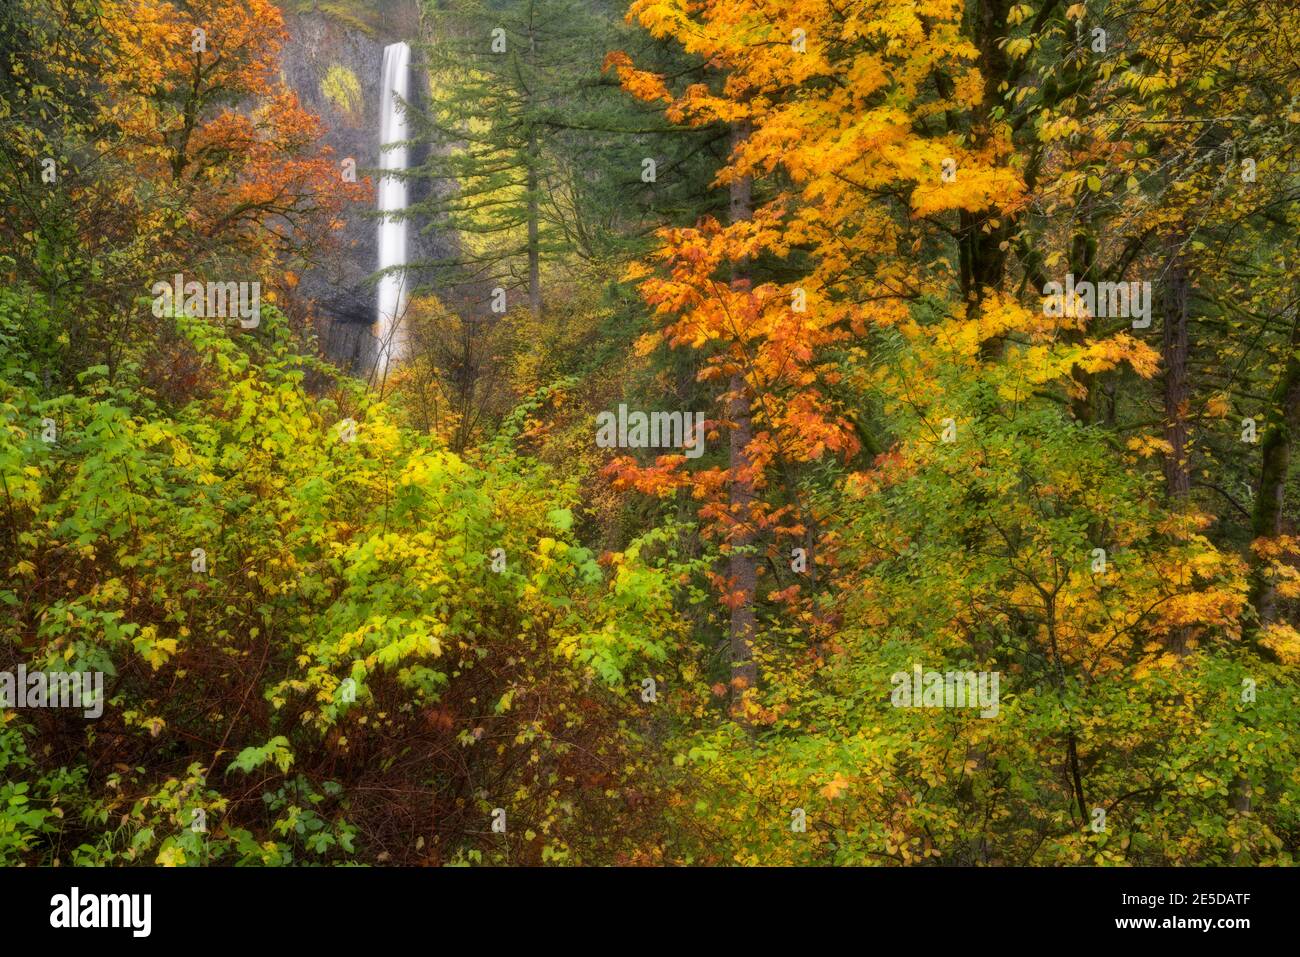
[337,907]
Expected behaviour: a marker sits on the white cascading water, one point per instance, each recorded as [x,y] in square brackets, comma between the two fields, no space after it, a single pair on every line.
[392,198]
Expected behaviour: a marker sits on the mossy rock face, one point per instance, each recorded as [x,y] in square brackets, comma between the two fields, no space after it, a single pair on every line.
[368,16]
[343,90]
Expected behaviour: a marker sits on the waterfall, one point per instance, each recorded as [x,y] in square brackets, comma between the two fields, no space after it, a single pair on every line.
[392,198]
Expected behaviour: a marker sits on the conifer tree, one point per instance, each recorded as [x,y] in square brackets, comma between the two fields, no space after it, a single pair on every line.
[540,163]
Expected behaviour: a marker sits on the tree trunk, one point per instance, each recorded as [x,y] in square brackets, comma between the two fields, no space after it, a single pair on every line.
[1276,463]
[743,566]
[1284,421]
[534,248]
[983,250]
[534,252]
[1178,476]
[1083,260]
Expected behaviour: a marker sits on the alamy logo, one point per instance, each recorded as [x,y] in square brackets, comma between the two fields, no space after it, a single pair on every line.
[1105,300]
[103,910]
[53,689]
[210,300]
[946,689]
[637,430]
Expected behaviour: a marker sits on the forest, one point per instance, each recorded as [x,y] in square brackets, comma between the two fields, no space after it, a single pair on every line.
[666,433]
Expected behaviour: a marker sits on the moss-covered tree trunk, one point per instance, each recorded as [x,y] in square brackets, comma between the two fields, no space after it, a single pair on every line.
[1275,465]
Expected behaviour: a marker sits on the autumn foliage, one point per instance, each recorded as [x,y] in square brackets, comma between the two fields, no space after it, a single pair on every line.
[425,608]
